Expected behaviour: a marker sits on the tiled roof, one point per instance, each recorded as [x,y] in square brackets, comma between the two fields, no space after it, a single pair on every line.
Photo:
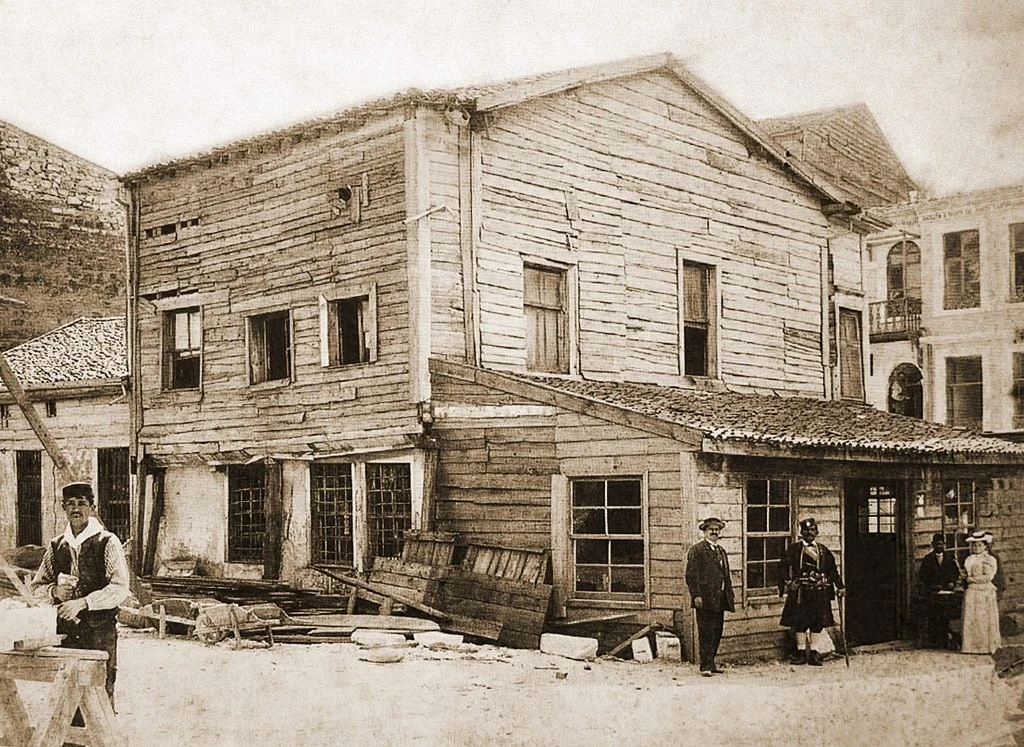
[846,145]
[86,349]
[786,422]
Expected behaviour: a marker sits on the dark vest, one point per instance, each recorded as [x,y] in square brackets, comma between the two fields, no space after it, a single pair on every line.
[92,573]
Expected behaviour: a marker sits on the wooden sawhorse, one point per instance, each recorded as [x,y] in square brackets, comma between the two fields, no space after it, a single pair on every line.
[78,678]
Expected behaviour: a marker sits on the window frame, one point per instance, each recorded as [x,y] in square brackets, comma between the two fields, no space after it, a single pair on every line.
[1017,389]
[708,325]
[955,390]
[607,598]
[845,346]
[244,554]
[28,494]
[907,250]
[562,362]
[317,532]
[331,347]
[170,353]
[255,334]
[1016,236]
[956,540]
[786,536]
[957,268]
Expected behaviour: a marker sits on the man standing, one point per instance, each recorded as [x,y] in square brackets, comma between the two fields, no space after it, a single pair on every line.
[810,579]
[937,577]
[711,595]
[85,574]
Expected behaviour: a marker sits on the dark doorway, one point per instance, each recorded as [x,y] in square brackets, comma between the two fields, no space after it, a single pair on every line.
[30,497]
[874,551]
[906,396]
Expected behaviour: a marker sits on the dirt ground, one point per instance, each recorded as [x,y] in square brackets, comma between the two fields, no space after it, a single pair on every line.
[178,691]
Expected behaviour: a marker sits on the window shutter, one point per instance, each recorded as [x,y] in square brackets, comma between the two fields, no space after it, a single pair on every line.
[325,344]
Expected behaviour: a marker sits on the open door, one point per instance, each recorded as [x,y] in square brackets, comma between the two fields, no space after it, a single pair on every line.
[873,558]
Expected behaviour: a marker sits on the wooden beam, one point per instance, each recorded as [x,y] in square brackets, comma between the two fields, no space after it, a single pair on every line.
[13,385]
[364,586]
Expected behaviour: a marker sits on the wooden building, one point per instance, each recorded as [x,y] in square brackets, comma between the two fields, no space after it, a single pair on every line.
[945,282]
[76,377]
[573,313]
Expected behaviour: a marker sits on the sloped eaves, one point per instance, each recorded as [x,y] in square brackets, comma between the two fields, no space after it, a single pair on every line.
[486,98]
[735,423]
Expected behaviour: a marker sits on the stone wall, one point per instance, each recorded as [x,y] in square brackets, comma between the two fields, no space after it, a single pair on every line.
[61,238]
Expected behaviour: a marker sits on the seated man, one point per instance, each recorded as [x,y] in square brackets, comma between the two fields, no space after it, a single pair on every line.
[939,572]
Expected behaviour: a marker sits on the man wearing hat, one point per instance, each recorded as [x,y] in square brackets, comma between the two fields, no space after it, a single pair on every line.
[937,577]
[85,574]
[711,594]
[810,579]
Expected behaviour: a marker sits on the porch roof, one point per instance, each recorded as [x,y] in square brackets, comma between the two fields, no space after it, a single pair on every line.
[734,422]
[86,350]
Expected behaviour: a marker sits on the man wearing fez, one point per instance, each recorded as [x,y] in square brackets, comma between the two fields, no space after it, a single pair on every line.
[810,579]
[85,574]
[711,595]
[937,577]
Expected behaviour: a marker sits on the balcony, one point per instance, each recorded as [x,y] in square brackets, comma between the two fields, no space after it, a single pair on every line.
[895,319]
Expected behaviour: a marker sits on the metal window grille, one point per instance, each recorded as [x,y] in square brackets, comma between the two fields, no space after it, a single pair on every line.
[247,491]
[30,497]
[331,514]
[112,492]
[769,523]
[388,507]
[608,536]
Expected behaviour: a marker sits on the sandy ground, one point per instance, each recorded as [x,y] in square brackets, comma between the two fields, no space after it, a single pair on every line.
[177,691]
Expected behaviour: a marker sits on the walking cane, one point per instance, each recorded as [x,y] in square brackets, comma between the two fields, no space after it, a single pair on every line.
[842,628]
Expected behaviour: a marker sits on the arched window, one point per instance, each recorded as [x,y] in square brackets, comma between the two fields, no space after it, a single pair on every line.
[905,394]
[903,271]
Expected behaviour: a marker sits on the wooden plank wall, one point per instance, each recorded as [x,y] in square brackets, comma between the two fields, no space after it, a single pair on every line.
[80,427]
[270,238]
[617,179]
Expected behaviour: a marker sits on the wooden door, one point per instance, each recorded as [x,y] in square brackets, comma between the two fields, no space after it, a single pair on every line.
[873,561]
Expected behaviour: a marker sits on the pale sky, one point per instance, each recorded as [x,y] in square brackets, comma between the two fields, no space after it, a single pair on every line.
[126,83]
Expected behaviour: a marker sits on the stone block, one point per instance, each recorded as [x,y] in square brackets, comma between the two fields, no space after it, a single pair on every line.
[642,650]
[667,646]
[372,638]
[569,646]
[438,639]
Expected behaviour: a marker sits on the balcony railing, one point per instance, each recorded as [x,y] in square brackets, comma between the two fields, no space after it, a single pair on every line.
[895,319]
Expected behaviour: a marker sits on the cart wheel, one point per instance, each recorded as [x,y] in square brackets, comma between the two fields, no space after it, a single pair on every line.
[211,637]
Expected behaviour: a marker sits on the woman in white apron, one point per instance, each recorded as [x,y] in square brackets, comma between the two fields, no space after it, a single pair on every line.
[981,611]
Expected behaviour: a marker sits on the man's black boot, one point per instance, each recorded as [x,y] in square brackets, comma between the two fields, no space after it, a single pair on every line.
[800,657]
[813,659]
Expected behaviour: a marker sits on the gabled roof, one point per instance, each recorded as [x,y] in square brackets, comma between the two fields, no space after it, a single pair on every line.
[85,350]
[490,97]
[846,146]
[732,422]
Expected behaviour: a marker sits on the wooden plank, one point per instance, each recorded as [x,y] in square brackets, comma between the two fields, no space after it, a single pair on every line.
[14,724]
[639,634]
[397,597]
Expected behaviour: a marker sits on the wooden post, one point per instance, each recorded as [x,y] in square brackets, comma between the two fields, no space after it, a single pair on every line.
[10,380]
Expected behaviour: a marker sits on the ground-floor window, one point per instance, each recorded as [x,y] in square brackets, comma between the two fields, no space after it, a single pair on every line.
[769,528]
[332,513]
[29,465]
[607,537]
[247,492]
[388,506]
[959,510]
[878,514]
[112,490]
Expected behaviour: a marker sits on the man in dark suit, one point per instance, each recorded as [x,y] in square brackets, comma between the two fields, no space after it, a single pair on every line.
[937,577]
[711,594]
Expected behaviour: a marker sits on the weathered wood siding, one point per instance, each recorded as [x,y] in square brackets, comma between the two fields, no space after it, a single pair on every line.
[81,426]
[270,239]
[621,181]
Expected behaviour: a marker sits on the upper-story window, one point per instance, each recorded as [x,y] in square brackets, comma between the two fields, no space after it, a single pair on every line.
[547,319]
[851,356]
[698,320]
[964,392]
[348,329]
[903,271]
[1017,392]
[182,349]
[962,270]
[1017,261]
[270,347]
